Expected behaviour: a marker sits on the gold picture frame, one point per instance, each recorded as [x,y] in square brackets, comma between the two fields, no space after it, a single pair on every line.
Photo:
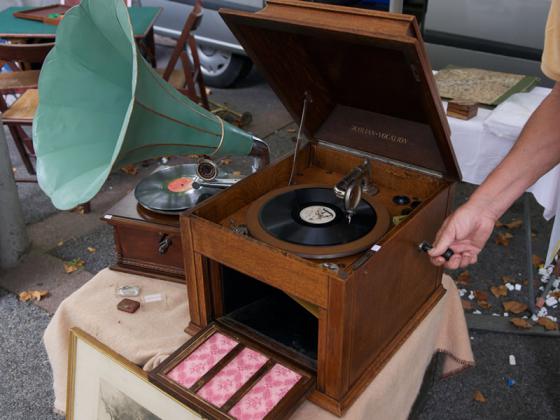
[101,382]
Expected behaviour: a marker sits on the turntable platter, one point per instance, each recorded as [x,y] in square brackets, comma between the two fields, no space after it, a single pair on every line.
[309,220]
[170,190]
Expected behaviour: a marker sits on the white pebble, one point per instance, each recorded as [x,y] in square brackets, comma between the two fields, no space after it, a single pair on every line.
[512,361]
[541,288]
[510,286]
[551,301]
[552,318]
[543,271]
[471,295]
[556,283]
[542,312]
[518,287]
[534,318]
[472,338]
[524,317]
[495,314]
[462,292]
[506,314]
[476,312]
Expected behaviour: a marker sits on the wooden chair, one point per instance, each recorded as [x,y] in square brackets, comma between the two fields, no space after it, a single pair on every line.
[189,79]
[22,113]
[20,58]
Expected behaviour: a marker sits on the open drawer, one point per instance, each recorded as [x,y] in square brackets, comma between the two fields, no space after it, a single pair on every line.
[226,375]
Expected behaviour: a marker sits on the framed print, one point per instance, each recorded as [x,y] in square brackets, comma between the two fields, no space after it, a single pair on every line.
[103,385]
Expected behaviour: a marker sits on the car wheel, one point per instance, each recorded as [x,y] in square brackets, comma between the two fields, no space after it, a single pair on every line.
[222,68]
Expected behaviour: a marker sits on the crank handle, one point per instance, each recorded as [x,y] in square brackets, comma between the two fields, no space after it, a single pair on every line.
[425,247]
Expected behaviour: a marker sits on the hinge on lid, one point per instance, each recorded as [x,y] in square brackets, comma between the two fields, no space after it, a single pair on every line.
[415,73]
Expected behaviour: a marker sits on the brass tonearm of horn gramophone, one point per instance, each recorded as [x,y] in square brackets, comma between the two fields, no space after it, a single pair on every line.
[352,185]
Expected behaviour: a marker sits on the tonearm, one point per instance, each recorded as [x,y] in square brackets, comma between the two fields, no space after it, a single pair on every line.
[352,185]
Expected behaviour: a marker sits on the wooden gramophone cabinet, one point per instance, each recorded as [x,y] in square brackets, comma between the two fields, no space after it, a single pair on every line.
[370,94]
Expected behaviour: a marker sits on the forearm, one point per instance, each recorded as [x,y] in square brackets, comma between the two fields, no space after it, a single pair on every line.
[536,152]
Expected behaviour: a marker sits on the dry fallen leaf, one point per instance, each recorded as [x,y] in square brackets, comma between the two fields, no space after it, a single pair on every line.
[32,294]
[484,304]
[514,306]
[479,397]
[60,243]
[556,294]
[39,294]
[130,169]
[547,323]
[467,304]
[514,224]
[498,224]
[480,295]
[537,261]
[79,209]
[24,296]
[91,249]
[463,278]
[499,290]
[225,161]
[73,265]
[507,279]
[291,130]
[503,238]
[521,323]
[236,173]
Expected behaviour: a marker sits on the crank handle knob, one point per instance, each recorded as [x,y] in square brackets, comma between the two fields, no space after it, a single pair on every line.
[425,247]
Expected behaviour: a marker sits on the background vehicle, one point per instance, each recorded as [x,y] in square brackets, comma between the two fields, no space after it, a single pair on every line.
[504,35]
[222,59]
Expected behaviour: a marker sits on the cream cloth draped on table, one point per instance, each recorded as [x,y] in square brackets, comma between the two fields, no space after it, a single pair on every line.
[156,330]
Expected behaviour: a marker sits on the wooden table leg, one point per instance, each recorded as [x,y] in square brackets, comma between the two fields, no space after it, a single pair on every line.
[22,150]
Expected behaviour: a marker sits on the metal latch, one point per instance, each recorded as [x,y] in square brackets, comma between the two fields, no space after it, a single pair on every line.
[164,244]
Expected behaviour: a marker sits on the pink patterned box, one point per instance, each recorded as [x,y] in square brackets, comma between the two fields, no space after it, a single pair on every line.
[265,394]
[232,377]
[202,360]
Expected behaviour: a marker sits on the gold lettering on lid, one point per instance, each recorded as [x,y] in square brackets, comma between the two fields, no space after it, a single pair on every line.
[365,131]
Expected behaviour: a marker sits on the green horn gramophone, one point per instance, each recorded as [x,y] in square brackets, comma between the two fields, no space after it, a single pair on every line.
[102,106]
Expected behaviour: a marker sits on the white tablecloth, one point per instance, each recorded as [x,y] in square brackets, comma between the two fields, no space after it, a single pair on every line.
[479,150]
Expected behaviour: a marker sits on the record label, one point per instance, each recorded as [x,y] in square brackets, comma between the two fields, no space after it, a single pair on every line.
[317,215]
[180,184]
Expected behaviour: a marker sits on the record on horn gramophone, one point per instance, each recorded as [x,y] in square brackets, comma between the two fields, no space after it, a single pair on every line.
[170,190]
[309,221]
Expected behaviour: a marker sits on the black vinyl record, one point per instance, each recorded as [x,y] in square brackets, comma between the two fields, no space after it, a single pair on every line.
[315,217]
[170,190]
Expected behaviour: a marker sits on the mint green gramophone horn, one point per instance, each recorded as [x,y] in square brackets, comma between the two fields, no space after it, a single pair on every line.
[102,106]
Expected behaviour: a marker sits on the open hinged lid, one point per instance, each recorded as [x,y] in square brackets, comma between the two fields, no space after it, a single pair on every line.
[366,72]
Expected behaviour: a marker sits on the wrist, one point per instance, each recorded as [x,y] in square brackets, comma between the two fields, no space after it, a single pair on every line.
[487,207]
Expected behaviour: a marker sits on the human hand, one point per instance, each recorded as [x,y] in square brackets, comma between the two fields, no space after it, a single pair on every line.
[465,232]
